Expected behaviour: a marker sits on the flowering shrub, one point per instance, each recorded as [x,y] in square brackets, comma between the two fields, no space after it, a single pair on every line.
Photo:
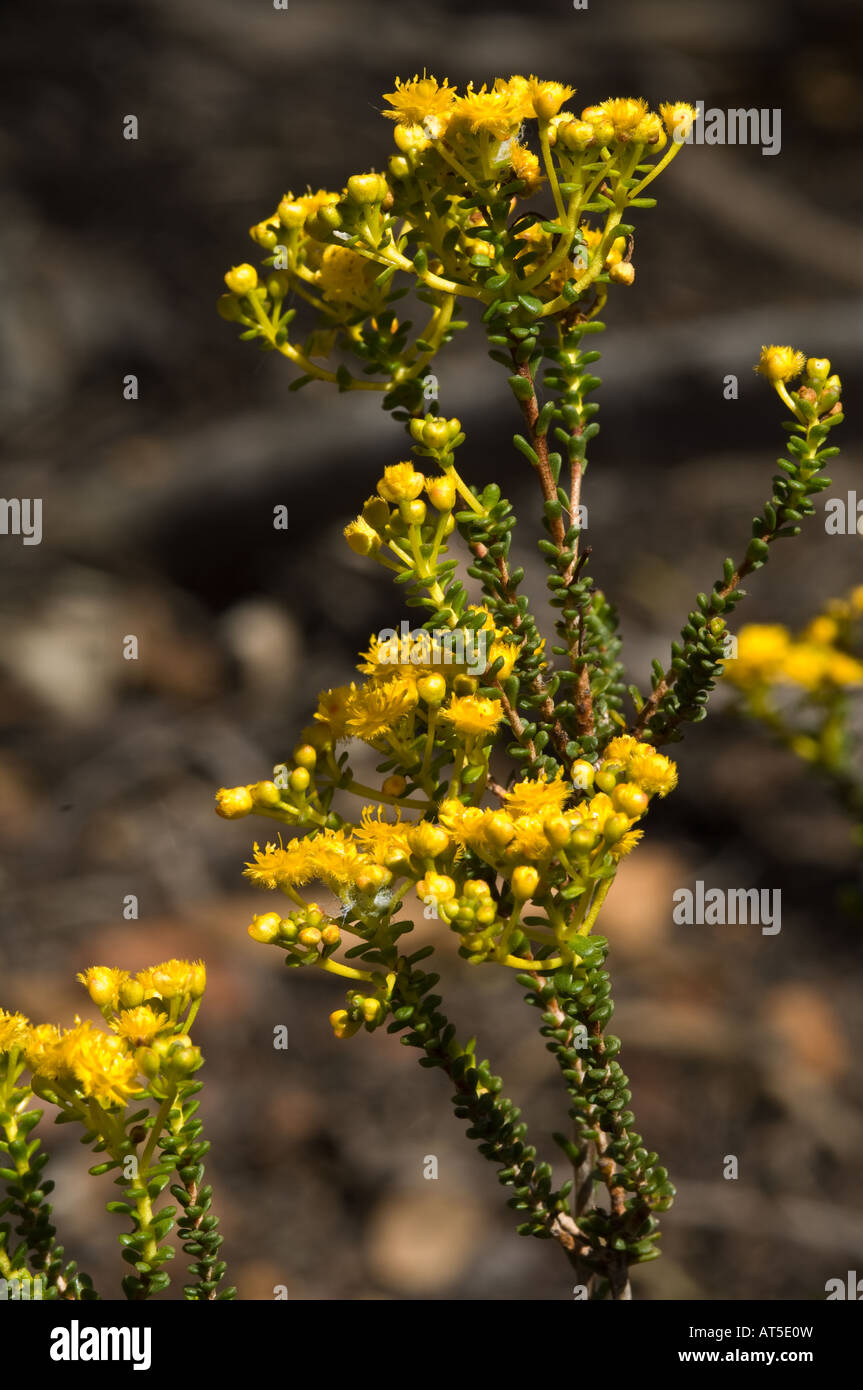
[517,862]
[512,776]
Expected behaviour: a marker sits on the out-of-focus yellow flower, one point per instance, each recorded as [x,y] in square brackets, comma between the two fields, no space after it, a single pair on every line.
[761,650]
[13,1031]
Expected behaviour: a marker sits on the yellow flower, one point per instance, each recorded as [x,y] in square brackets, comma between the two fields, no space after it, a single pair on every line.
[678,118]
[508,653]
[102,983]
[401,483]
[856,599]
[346,277]
[233,802]
[625,113]
[361,538]
[333,708]
[822,630]
[530,840]
[293,212]
[95,1063]
[376,708]
[844,670]
[812,666]
[13,1031]
[547,97]
[780,363]
[497,112]
[526,166]
[421,101]
[472,715]
[380,838]
[275,866]
[620,749]
[654,773]
[241,278]
[40,1047]
[538,797]
[174,979]
[140,1026]
[761,650]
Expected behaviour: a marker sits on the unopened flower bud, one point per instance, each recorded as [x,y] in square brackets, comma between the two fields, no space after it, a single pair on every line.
[441,492]
[240,279]
[623,273]
[291,214]
[229,308]
[630,799]
[413,513]
[557,831]
[500,830]
[524,882]
[266,794]
[265,928]
[367,188]
[818,368]
[428,840]
[394,785]
[432,689]
[615,828]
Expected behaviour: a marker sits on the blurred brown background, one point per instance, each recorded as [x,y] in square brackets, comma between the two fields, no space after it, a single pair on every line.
[158,523]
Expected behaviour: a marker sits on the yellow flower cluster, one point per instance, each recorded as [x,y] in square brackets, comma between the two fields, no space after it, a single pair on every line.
[475,866]
[85,1063]
[338,252]
[768,655]
[426,110]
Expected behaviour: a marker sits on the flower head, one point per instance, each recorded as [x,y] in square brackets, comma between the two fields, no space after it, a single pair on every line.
[174,979]
[625,114]
[678,117]
[780,363]
[102,983]
[538,796]
[421,101]
[472,716]
[499,112]
[141,1025]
